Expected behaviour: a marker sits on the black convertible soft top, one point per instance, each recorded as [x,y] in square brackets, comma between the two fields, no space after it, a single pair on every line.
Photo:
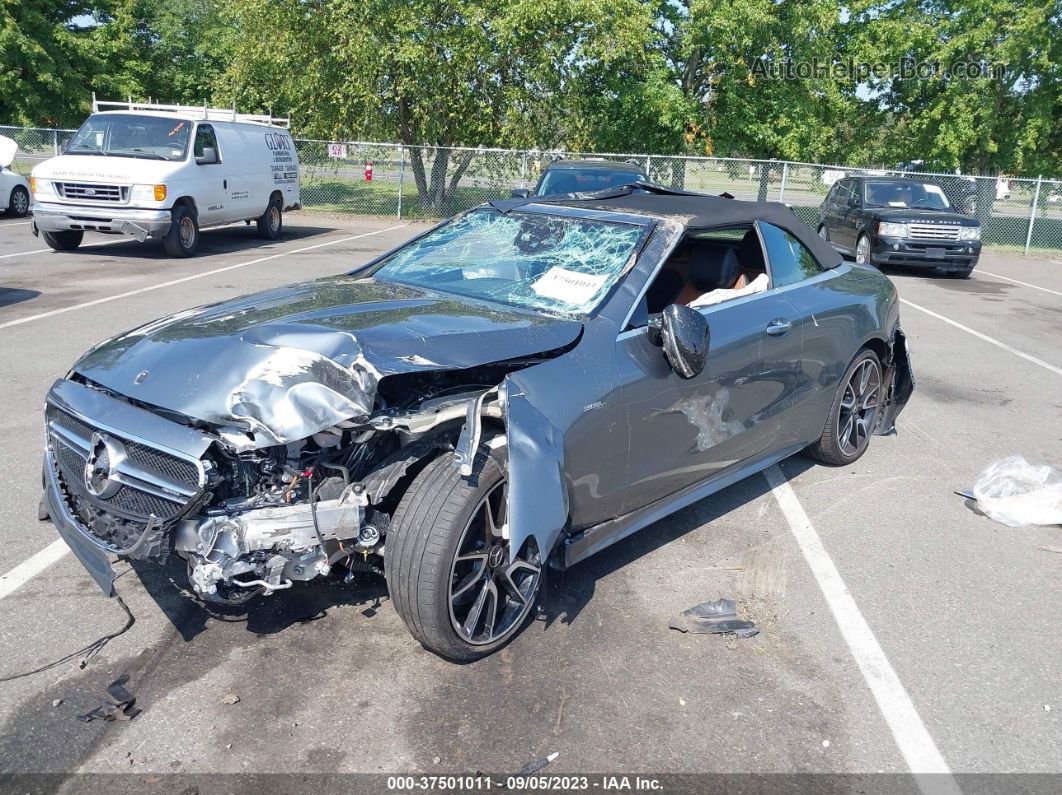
[694,210]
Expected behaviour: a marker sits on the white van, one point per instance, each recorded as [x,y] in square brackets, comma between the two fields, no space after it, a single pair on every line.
[166,171]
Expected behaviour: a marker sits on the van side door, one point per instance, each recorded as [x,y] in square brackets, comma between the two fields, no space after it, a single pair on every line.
[210,186]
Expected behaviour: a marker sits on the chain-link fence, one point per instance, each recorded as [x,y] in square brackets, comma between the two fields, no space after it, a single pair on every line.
[409,182]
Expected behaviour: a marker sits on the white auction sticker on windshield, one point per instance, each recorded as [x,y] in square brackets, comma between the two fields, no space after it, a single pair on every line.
[571,287]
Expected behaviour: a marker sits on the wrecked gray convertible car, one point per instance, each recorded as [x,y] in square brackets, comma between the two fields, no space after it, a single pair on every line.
[521,386]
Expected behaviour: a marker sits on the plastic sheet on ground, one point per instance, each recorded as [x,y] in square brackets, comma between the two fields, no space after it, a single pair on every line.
[1016,493]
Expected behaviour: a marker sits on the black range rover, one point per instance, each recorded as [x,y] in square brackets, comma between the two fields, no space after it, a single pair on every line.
[899,221]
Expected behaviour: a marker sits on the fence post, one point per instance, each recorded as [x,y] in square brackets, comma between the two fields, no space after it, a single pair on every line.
[55,142]
[401,174]
[781,188]
[1032,212]
[647,173]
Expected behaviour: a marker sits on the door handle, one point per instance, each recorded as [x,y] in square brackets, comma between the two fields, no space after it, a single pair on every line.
[225,184]
[778,327]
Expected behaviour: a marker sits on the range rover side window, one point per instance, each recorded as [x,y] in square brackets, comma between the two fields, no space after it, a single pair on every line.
[789,259]
[206,146]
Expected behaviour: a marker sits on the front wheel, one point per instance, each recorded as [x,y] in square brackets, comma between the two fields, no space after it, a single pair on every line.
[447,560]
[853,414]
[183,238]
[862,252]
[63,241]
[959,274]
[19,203]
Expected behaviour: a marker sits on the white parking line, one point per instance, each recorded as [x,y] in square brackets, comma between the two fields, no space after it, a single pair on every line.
[992,340]
[1023,284]
[15,223]
[183,279]
[28,569]
[915,744]
[83,245]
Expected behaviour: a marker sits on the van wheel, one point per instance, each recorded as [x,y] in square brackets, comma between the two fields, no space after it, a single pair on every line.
[63,241]
[183,238]
[19,204]
[447,560]
[271,221]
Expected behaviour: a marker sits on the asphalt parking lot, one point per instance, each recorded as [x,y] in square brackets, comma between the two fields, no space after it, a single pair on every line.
[899,629]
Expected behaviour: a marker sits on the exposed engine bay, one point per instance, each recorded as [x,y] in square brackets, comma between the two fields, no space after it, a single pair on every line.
[270,516]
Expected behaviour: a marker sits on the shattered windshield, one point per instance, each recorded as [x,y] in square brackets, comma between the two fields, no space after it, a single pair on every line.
[544,262]
[128,135]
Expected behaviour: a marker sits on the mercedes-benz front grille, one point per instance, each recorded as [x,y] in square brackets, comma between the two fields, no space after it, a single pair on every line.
[934,231]
[94,192]
[108,476]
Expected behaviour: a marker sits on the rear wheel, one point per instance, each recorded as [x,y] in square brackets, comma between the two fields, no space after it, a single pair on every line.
[183,238]
[448,563]
[271,222]
[63,241]
[19,203]
[853,414]
[862,252]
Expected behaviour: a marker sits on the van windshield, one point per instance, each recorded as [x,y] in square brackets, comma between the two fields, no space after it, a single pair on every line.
[128,135]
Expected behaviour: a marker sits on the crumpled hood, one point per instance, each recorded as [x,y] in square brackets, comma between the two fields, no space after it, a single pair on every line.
[101,168]
[287,363]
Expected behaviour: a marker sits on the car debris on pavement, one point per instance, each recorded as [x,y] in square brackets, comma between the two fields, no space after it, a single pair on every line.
[717,618]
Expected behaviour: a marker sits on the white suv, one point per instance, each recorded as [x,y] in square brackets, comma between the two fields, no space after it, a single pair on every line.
[166,171]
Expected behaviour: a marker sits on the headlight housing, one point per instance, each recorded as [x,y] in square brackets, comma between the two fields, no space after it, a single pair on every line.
[41,187]
[148,193]
[969,233]
[888,229]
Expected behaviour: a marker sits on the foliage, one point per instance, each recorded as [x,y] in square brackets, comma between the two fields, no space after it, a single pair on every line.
[661,76]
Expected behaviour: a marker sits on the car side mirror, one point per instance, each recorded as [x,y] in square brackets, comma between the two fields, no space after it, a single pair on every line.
[521,193]
[209,156]
[683,334]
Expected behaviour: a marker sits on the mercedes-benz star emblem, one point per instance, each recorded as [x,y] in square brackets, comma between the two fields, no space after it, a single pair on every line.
[103,458]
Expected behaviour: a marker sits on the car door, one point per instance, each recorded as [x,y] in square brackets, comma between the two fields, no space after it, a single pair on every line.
[681,432]
[842,224]
[210,185]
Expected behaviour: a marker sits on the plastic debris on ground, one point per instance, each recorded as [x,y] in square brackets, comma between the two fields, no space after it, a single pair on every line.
[718,617]
[1016,493]
[123,706]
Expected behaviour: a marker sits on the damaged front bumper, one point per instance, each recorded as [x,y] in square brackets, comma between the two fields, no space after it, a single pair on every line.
[139,224]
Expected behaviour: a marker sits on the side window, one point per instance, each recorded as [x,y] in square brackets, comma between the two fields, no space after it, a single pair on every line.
[205,139]
[789,260]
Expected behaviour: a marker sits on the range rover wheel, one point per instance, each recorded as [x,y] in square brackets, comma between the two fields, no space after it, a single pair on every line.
[271,221]
[853,413]
[63,241]
[19,203]
[959,274]
[183,238]
[862,252]
[448,565]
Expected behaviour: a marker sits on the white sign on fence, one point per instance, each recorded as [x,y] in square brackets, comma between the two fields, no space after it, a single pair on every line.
[337,150]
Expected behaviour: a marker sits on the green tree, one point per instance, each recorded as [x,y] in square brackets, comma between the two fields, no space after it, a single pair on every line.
[978,119]
[44,58]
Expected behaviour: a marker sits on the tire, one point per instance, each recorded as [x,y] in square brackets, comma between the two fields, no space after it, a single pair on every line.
[433,558]
[63,241]
[863,242]
[961,274]
[271,222]
[835,447]
[183,238]
[19,203]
